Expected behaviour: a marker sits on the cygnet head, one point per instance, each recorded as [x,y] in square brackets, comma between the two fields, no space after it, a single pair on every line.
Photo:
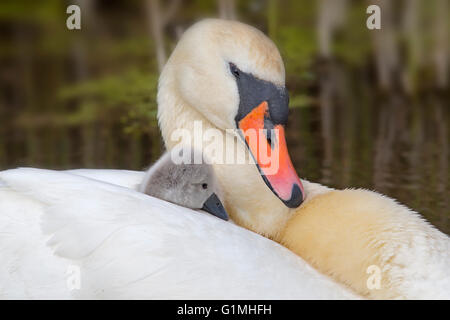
[189,185]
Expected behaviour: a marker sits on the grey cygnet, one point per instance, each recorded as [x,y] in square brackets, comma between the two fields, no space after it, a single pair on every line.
[189,185]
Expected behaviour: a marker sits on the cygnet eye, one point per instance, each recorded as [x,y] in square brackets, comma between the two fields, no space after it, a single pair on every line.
[205,186]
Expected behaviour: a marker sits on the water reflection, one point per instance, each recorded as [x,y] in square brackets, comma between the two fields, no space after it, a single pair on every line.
[391,145]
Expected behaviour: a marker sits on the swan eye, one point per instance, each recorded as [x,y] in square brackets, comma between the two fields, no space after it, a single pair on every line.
[205,186]
[234,70]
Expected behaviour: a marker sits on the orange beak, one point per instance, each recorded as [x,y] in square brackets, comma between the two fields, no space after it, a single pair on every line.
[268,148]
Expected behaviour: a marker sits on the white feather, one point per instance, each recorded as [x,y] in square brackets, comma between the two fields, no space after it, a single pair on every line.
[129,245]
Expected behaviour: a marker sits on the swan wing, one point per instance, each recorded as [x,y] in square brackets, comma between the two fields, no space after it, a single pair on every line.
[125,244]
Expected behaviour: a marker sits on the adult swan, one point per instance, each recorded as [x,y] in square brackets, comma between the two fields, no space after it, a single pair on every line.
[230,76]
[89,234]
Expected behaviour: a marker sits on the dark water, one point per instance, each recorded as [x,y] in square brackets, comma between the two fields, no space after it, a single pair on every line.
[392,145]
[395,147]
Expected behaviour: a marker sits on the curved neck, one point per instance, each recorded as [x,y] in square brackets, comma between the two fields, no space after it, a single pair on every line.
[247,199]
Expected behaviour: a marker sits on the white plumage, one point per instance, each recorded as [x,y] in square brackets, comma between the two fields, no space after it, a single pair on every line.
[129,245]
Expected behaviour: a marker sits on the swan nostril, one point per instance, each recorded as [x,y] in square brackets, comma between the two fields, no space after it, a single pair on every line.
[268,127]
[269,137]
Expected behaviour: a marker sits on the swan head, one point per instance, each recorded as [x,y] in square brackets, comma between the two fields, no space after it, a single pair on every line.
[192,186]
[205,77]
[230,76]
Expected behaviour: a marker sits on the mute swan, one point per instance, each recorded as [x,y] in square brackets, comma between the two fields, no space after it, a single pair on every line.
[189,185]
[230,76]
[226,75]
[65,235]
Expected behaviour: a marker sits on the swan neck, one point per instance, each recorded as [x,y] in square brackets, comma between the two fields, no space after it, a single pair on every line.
[246,197]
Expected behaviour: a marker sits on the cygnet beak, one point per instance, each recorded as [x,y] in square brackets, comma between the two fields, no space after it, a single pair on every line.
[213,206]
